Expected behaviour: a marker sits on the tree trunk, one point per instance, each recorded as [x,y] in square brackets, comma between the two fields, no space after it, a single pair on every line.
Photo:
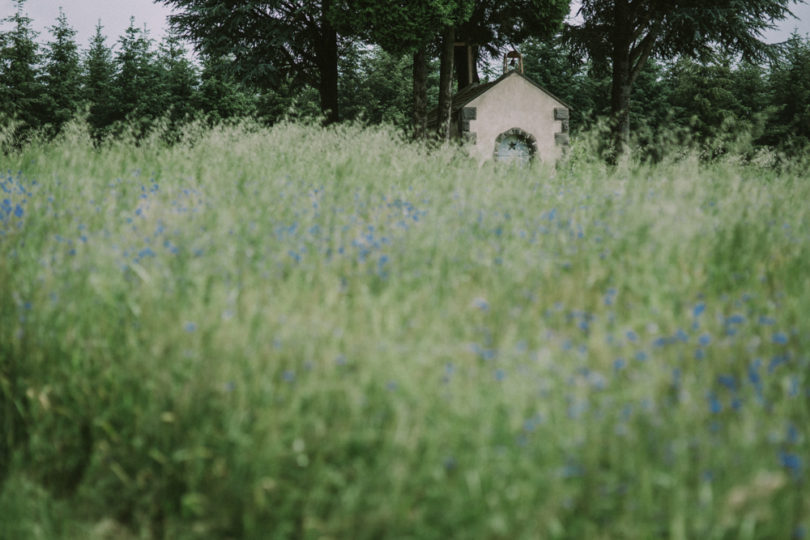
[465,64]
[420,94]
[621,80]
[446,83]
[328,67]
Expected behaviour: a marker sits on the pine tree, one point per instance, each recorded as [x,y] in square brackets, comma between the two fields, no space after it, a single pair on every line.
[179,79]
[790,87]
[62,74]
[21,91]
[137,81]
[220,96]
[98,74]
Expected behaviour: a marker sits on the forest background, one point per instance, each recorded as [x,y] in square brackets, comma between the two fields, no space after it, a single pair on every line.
[137,82]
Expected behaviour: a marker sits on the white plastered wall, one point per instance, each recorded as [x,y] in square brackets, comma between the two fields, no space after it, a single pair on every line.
[515,103]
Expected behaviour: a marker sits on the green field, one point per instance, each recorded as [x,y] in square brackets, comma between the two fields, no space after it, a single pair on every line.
[306,333]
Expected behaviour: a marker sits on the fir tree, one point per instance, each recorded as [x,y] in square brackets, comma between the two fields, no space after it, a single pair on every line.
[137,81]
[98,74]
[62,74]
[179,79]
[21,91]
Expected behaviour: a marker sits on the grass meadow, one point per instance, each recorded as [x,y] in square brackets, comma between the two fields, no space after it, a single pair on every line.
[313,333]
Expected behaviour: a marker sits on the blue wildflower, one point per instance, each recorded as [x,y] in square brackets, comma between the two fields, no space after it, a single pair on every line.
[715,406]
[780,338]
[753,372]
[190,326]
[777,361]
[583,325]
[792,434]
[699,308]
[792,462]
[481,304]
[729,381]
[705,339]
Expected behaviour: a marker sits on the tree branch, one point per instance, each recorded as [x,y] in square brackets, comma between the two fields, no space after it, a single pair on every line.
[641,52]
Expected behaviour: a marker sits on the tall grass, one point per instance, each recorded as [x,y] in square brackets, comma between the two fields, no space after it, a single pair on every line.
[300,332]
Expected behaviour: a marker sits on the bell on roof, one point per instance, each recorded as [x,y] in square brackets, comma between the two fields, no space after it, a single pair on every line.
[513,60]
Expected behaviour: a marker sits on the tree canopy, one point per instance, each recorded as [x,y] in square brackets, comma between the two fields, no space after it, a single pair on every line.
[626,33]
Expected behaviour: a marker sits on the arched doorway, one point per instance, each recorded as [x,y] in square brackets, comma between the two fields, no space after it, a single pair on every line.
[515,146]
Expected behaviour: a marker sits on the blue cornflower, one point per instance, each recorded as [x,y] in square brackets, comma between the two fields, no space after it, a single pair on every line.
[792,462]
[190,326]
[481,304]
[715,406]
[780,338]
[705,339]
[792,434]
[500,374]
[632,336]
[583,325]
[729,381]
[777,361]
[699,308]
[753,372]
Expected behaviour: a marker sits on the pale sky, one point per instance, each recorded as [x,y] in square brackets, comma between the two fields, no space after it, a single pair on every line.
[83,15]
[115,14]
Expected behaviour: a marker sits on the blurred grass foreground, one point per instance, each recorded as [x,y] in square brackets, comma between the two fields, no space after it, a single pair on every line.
[296,332]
